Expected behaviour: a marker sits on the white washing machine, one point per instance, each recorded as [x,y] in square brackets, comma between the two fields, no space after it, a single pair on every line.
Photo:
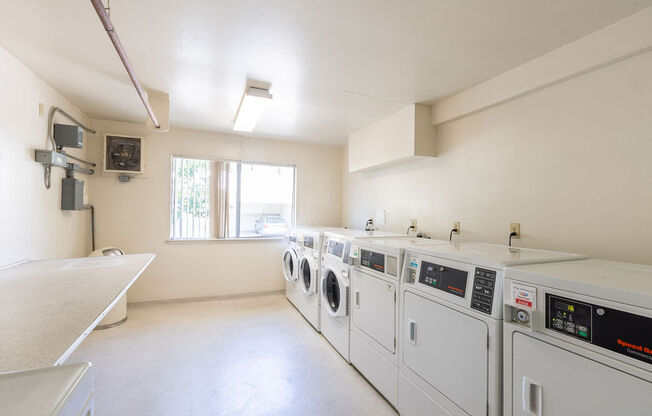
[309,271]
[290,266]
[578,339]
[451,326]
[374,311]
[335,285]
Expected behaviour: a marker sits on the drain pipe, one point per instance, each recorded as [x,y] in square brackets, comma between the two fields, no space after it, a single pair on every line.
[110,30]
[92,209]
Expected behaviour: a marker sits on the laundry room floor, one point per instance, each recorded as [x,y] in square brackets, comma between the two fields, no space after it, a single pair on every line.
[245,356]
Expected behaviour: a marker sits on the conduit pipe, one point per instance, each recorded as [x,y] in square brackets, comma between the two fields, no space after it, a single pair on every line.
[110,30]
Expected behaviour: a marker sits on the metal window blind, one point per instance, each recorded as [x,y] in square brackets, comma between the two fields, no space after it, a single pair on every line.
[190,198]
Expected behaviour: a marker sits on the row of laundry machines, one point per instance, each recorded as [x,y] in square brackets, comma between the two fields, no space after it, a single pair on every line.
[440,328]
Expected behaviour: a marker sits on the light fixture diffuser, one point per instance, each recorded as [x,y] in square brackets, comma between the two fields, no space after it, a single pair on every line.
[252,107]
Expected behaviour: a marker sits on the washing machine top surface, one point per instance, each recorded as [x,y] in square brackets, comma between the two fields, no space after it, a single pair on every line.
[619,282]
[493,255]
[315,228]
[396,245]
[354,233]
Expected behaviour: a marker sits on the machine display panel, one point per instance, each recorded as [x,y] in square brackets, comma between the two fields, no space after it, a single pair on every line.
[484,283]
[309,242]
[444,278]
[618,331]
[335,248]
[372,260]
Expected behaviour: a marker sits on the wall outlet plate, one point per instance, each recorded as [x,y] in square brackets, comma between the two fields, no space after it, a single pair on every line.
[380,218]
[413,223]
[457,226]
[515,227]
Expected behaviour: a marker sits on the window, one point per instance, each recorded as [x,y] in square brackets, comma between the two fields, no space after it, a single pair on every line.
[227,199]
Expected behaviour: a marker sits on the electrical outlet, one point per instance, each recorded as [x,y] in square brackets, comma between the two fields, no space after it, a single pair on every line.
[381,217]
[515,227]
[456,226]
[413,223]
[41,109]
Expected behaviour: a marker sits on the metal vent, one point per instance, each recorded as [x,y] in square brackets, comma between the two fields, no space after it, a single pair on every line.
[392,266]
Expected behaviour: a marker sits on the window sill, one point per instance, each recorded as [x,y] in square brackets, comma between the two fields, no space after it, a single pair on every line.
[226,240]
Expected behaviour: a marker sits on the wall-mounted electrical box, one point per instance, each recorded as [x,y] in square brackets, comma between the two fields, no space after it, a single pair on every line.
[50,158]
[72,194]
[68,136]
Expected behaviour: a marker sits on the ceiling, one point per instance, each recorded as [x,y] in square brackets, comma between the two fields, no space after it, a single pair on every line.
[334,66]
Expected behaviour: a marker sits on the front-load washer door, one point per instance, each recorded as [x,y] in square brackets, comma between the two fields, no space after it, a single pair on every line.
[290,265]
[334,292]
[308,276]
[448,350]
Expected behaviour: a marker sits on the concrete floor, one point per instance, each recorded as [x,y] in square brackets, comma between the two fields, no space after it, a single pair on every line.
[246,356]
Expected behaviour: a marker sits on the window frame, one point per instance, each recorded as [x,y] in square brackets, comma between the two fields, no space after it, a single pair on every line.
[239,191]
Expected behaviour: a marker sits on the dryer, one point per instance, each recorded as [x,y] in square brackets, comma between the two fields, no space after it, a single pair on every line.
[450,360]
[335,285]
[374,311]
[578,339]
[290,267]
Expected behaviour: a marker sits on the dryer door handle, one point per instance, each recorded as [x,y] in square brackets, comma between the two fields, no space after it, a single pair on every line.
[357,298]
[532,397]
[412,326]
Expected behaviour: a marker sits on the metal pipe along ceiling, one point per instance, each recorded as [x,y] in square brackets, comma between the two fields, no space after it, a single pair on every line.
[110,30]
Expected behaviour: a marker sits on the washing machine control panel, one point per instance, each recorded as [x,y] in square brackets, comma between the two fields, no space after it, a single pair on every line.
[484,285]
[308,242]
[619,331]
[372,260]
[335,248]
[570,317]
[443,278]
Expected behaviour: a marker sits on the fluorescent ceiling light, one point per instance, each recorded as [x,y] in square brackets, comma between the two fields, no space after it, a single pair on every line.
[252,107]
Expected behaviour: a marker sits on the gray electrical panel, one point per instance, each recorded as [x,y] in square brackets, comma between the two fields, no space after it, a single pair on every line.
[68,136]
[72,194]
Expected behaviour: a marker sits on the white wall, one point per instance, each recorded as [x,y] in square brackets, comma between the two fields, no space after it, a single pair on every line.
[32,224]
[135,216]
[571,162]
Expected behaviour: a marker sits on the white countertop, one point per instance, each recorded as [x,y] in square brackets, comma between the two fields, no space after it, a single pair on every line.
[49,306]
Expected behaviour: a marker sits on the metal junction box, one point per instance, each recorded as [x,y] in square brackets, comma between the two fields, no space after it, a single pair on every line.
[72,194]
[68,136]
[50,157]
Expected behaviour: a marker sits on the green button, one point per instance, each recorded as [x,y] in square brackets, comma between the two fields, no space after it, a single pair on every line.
[583,334]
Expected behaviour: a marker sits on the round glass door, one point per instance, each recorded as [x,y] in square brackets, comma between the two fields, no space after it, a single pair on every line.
[332,291]
[307,276]
[289,265]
